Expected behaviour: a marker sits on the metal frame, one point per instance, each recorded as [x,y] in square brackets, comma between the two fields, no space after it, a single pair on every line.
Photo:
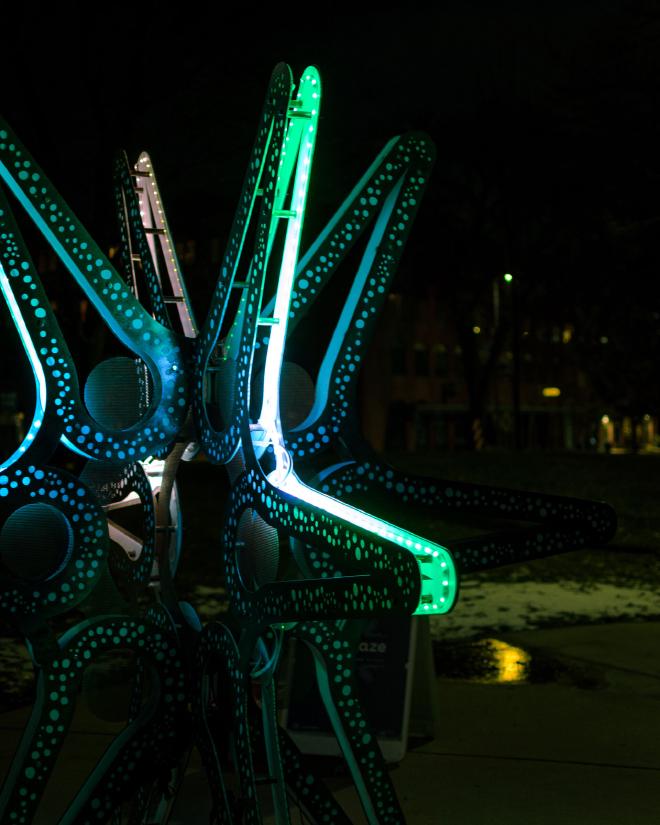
[349,561]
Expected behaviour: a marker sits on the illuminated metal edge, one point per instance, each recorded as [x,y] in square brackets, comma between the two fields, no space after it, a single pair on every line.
[133,545]
[134,327]
[329,505]
[332,352]
[134,242]
[153,216]
[221,447]
[37,371]
[439,582]
[405,163]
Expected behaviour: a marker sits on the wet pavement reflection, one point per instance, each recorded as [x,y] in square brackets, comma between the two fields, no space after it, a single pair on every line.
[494,661]
[488,661]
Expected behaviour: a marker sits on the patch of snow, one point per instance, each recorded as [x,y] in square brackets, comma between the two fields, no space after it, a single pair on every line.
[495,606]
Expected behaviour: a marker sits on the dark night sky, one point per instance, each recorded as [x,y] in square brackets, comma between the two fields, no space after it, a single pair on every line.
[470,73]
[548,110]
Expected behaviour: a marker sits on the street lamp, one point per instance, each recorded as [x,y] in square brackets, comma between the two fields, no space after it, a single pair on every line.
[515,384]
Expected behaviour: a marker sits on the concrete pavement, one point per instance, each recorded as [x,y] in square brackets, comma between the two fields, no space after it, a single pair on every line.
[582,746]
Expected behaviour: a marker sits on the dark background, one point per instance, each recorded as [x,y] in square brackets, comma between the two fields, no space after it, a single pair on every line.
[544,116]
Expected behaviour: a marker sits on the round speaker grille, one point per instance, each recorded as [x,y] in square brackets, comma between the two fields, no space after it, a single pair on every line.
[257,550]
[35,541]
[116,392]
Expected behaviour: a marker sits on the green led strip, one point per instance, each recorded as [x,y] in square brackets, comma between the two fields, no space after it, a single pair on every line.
[439,582]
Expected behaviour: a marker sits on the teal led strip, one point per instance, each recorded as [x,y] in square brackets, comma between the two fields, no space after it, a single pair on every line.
[156,345]
[37,371]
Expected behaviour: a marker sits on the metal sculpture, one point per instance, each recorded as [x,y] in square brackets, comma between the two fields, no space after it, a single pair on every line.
[187,388]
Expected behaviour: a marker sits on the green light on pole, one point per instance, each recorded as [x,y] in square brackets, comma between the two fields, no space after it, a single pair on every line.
[508,277]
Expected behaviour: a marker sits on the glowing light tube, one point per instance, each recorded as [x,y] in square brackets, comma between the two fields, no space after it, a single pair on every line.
[37,370]
[437,572]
